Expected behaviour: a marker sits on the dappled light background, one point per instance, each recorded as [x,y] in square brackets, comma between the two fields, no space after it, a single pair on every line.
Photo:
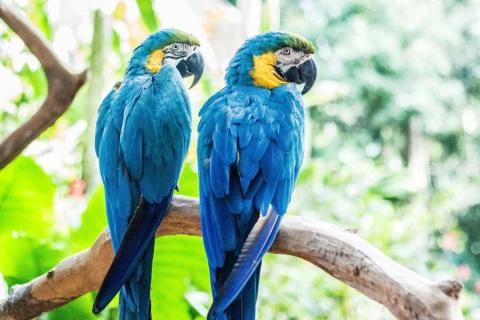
[393,138]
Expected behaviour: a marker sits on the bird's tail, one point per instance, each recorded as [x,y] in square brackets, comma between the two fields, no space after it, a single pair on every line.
[236,295]
[135,295]
[243,307]
[132,266]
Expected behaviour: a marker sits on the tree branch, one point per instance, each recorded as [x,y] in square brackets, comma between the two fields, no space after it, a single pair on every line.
[62,86]
[342,254]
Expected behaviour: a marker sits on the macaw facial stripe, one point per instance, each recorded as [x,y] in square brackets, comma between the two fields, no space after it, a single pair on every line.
[176,52]
[288,57]
[263,72]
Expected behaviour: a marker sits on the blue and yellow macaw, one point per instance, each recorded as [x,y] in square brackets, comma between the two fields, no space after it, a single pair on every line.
[250,149]
[142,137]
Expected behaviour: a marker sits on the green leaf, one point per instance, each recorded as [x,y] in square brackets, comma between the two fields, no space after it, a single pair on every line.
[179,267]
[78,309]
[36,79]
[23,258]
[306,174]
[38,14]
[188,182]
[148,15]
[26,199]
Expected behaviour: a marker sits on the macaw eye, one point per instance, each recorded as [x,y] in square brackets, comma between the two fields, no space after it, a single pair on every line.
[175,46]
[286,51]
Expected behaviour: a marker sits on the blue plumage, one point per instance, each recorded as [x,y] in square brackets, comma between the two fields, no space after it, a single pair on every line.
[250,149]
[258,242]
[142,137]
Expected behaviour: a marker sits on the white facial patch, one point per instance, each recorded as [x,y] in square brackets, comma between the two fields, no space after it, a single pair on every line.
[288,57]
[176,52]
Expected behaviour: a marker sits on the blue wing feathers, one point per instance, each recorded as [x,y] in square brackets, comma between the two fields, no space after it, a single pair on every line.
[219,175]
[214,252]
[272,163]
[234,198]
[265,195]
[103,113]
[225,144]
[132,146]
[223,221]
[249,151]
[244,135]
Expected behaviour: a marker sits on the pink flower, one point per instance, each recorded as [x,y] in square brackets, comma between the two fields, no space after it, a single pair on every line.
[450,241]
[464,272]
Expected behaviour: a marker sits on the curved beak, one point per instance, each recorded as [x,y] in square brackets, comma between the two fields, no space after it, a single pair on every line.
[305,73]
[193,65]
[308,74]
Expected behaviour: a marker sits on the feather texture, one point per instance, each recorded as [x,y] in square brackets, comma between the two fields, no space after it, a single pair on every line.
[142,137]
[248,260]
[249,152]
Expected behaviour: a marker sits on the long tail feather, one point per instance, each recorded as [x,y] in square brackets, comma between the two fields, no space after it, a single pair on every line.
[142,227]
[256,245]
[135,296]
[243,307]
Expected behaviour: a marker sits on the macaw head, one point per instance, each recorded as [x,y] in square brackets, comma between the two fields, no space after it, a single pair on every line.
[273,59]
[168,46]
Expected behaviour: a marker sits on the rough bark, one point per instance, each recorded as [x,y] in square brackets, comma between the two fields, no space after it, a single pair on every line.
[62,86]
[340,253]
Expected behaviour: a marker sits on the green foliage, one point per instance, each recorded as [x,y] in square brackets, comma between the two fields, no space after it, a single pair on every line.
[24,257]
[188,183]
[78,309]
[180,268]
[36,79]
[39,16]
[148,14]
[26,199]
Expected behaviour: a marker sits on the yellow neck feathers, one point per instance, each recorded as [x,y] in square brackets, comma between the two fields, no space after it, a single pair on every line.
[154,61]
[263,72]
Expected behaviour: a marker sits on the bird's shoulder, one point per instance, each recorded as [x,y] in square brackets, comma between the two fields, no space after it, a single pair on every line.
[248,108]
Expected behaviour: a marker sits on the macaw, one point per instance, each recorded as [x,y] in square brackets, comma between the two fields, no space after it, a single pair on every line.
[250,148]
[142,136]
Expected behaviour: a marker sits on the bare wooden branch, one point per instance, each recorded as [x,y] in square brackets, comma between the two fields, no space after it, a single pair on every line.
[342,254]
[63,85]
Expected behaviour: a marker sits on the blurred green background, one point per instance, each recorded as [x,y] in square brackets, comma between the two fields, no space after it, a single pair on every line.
[392,128]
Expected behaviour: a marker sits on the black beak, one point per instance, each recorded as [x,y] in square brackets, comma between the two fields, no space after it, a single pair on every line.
[304,73]
[192,66]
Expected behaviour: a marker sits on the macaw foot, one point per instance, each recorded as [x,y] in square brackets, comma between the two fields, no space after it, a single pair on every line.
[177,188]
